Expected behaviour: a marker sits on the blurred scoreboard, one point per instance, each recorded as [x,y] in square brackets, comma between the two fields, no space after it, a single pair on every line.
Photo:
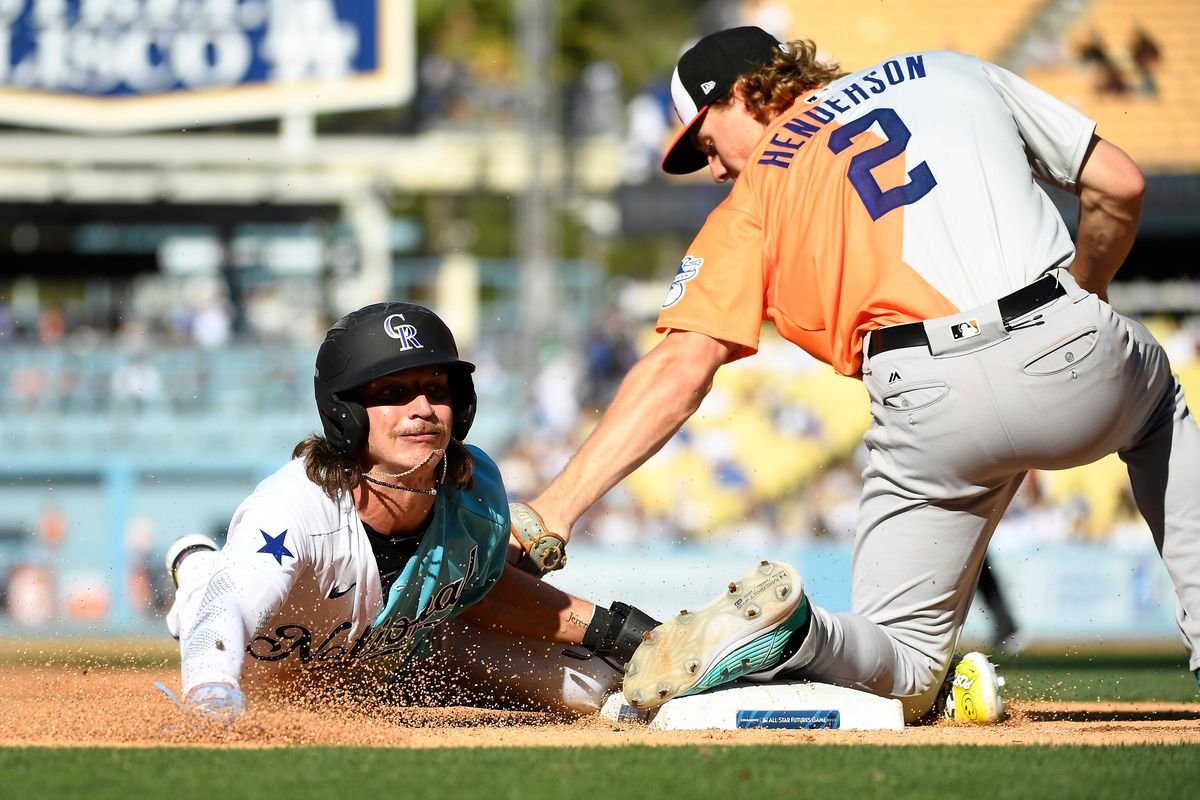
[118,66]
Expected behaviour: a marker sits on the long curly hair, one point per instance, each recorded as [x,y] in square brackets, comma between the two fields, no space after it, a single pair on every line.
[337,474]
[772,88]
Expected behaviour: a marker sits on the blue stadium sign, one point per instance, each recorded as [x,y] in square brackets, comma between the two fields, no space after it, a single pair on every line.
[129,65]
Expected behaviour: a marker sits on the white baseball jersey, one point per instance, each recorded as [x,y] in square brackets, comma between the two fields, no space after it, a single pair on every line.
[898,193]
[297,586]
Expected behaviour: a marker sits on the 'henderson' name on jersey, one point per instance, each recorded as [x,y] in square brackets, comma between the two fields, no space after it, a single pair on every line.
[893,73]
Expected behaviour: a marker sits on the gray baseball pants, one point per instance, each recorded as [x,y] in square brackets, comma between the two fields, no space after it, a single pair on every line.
[953,434]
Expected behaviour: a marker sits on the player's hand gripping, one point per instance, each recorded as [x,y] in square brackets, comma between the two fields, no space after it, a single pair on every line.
[542,551]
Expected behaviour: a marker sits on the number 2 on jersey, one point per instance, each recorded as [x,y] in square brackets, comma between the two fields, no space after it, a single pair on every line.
[877,201]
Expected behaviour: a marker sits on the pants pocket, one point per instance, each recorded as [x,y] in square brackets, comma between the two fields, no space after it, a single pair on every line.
[1066,354]
[912,398]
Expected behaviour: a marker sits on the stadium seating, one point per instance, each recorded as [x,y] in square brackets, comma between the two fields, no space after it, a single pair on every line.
[1161,131]
[858,33]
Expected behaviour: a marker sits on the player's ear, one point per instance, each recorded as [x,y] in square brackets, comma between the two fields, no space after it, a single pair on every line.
[756,111]
[740,99]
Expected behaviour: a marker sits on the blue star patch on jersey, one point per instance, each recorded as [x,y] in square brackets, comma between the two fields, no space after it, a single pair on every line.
[274,546]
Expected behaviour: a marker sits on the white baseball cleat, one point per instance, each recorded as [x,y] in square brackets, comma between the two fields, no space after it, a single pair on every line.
[746,629]
[181,547]
[972,691]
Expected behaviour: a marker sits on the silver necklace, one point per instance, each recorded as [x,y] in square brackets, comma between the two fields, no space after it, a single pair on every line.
[432,492]
[411,470]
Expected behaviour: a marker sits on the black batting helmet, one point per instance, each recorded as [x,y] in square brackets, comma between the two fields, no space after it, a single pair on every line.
[379,340]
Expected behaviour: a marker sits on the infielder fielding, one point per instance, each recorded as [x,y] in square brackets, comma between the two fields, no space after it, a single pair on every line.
[383,546]
[888,222]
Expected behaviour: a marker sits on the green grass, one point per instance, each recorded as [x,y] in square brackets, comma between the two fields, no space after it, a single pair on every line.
[691,772]
[695,773]
[1100,675]
[72,653]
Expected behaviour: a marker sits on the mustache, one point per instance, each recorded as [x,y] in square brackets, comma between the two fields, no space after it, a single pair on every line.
[422,428]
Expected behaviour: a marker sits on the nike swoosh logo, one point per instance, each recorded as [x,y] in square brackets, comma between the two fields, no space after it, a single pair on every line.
[335,593]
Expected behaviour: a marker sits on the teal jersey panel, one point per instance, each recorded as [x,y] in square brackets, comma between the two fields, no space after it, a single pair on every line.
[461,557]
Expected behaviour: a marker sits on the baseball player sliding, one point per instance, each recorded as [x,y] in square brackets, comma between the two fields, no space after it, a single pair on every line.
[380,553]
[888,222]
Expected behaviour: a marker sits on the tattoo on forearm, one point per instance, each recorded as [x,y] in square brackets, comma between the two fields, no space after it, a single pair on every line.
[574,620]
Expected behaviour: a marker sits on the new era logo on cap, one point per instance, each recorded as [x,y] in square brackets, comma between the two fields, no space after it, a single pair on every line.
[708,86]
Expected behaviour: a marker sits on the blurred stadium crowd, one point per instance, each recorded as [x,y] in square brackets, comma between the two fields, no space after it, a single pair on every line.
[774,454]
[772,459]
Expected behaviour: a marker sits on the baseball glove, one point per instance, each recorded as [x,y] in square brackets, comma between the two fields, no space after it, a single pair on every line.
[542,551]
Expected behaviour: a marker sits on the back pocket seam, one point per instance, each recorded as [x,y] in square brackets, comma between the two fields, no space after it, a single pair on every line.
[916,387]
[1063,343]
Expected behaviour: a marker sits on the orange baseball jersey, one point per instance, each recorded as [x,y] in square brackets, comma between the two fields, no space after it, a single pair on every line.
[898,193]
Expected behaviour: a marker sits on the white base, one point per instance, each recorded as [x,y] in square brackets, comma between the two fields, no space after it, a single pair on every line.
[780,704]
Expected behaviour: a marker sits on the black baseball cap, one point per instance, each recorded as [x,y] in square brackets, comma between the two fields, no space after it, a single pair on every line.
[705,73]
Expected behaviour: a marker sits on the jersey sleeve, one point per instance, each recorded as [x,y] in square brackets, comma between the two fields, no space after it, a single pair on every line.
[260,561]
[1056,135]
[718,289]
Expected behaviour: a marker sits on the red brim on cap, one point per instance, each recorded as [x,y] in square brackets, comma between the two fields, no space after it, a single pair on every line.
[682,157]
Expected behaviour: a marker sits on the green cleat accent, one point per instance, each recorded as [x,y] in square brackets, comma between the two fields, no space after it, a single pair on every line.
[748,628]
[756,656]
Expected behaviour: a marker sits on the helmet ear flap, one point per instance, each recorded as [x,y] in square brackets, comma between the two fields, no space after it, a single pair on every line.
[346,426]
[462,391]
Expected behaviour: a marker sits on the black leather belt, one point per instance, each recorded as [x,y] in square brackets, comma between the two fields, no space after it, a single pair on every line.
[1017,304]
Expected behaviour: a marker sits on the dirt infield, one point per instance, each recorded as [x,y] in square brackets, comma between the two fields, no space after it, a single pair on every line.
[104,706]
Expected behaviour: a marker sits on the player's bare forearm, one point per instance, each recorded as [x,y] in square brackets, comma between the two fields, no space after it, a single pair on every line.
[654,400]
[524,606]
[1110,203]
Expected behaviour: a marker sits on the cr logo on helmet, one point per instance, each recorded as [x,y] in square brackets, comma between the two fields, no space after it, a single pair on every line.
[407,334]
